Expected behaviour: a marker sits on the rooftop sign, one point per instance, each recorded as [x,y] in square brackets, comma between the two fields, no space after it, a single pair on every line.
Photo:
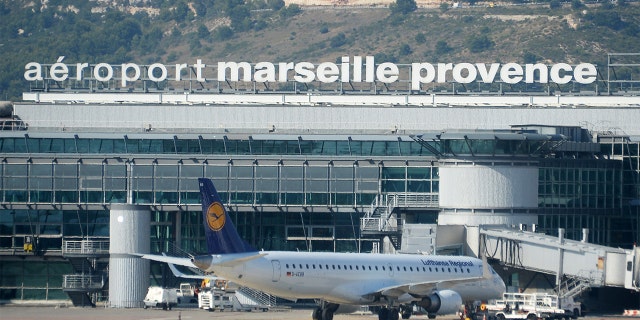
[355,69]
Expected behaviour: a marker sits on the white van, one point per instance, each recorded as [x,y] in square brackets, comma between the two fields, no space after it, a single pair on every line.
[160,297]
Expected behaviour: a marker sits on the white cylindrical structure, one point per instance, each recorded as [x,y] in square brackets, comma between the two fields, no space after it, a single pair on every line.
[488,186]
[128,273]
[488,192]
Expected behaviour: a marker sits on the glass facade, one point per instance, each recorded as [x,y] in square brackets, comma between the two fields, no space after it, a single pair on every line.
[284,193]
[585,193]
[288,145]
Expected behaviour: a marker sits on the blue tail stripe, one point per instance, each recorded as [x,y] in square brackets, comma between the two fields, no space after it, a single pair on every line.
[222,236]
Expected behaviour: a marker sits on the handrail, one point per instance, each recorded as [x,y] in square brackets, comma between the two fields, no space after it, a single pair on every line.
[85,247]
[379,216]
[82,281]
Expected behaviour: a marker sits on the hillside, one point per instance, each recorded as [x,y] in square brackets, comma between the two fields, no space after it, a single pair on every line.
[180,31]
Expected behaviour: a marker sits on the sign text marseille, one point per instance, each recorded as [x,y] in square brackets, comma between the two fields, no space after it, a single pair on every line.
[350,69]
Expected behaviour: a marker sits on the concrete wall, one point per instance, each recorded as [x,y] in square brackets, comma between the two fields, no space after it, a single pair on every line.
[353,114]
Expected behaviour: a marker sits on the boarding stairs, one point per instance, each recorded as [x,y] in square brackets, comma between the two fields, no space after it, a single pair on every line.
[250,297]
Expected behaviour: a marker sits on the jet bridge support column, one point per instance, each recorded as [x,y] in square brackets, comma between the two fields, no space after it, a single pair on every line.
[560,257]
[128,273]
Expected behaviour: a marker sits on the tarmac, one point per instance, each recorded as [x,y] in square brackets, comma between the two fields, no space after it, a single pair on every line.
[9,312]
[72,313]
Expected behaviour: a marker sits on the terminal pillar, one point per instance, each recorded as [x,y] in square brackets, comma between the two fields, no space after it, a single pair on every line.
[488,192]
[480,192]
[128,273]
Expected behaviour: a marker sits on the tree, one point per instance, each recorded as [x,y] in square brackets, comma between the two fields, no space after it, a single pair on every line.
[405,50]
[555,4]
[442,47]
[338,40]
[577,5]
[240,18]
[290,10]
[181,12]
[609,19]
[479,43]
[203,31]
[403,6]
[420,38]
[530,57]
[223,33]
[275,5]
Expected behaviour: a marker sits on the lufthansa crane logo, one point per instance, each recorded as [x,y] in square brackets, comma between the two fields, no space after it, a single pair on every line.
[216,217]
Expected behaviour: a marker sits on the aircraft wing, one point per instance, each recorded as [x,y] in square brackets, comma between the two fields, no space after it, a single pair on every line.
[172,260]
[179,274]
[425,288]
[420,288]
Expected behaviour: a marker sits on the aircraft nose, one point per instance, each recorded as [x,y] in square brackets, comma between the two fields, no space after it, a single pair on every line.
[202,262]
[501,286]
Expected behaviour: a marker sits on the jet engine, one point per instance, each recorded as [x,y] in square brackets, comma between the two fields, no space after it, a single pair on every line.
[441,302]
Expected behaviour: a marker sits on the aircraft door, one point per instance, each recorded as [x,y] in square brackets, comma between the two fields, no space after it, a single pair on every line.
[276,270]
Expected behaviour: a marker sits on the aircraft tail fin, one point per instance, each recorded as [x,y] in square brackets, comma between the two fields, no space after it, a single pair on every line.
[222,236]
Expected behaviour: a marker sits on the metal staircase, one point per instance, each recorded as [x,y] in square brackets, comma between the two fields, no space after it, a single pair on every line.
[90,275]
[257,297]
[381,219]
[573,286]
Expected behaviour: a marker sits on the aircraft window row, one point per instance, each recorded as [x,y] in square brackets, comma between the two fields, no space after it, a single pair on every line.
[376,268]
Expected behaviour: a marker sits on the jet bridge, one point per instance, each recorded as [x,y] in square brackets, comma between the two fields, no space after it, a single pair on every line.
[577,265]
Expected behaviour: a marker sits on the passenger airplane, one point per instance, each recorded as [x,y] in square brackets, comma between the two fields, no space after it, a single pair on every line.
[439,284]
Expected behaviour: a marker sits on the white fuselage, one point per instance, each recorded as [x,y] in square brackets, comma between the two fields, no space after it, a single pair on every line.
[353,278]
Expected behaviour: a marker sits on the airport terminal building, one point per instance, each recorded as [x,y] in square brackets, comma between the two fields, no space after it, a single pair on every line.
[317,170]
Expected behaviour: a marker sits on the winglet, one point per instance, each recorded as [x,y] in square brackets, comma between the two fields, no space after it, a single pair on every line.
[222,236]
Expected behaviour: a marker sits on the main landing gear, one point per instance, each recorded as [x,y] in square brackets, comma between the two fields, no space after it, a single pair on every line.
[404,311]
[389,314]
[325,311]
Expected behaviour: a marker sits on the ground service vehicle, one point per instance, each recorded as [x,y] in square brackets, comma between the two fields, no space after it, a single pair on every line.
[532,306]
[158,297]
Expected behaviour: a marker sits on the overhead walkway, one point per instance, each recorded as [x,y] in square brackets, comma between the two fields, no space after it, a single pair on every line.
[577,265]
